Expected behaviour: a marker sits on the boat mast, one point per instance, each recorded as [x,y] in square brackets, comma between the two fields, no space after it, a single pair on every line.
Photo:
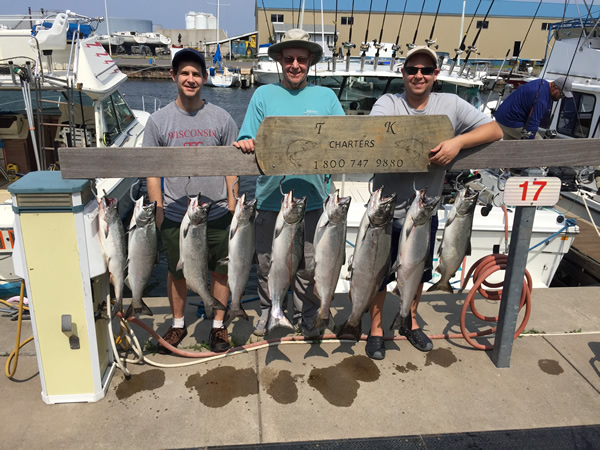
[107,28]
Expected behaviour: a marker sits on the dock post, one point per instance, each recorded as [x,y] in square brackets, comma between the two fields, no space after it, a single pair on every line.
[513,285]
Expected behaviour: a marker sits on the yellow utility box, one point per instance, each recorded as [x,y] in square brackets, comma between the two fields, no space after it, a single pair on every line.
[58,254]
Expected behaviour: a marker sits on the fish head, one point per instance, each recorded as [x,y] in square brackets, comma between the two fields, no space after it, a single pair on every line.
[337,207]
[466,200]
[380,209]
[293,208]
[245,210]
[424,207]
[197,211]
[144,214]
[108,208]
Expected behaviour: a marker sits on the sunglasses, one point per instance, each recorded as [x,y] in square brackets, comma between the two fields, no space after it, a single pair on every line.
[288,60]
[411,70]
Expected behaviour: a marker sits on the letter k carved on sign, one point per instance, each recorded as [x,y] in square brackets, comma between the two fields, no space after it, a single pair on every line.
[390,127]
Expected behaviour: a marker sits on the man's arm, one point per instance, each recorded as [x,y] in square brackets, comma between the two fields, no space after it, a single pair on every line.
[155,195]
[230,180]
[445,152]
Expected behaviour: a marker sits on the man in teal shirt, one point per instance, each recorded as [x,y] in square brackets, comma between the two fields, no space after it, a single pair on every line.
[292,96]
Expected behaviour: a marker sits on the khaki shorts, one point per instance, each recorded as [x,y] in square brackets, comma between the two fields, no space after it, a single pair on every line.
[218,242]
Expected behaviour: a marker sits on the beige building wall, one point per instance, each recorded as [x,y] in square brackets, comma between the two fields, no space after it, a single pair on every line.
[493,42]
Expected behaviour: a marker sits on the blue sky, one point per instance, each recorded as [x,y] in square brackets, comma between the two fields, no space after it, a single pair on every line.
[237,16]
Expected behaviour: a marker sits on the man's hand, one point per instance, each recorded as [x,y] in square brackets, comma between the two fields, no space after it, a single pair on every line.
[445,152]
[247,145]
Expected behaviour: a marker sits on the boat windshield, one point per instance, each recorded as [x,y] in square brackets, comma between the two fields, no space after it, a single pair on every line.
[575,117]
[117,117]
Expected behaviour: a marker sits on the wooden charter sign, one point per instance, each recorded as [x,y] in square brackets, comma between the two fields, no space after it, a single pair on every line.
[348,144]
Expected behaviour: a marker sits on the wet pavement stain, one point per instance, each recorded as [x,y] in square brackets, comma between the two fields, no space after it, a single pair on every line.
[550,366]
[145,381]
[283,388]
[410,367]
[339,384]
[219,386]
[441,356]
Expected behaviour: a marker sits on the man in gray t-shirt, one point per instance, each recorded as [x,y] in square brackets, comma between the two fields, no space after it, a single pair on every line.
[471,128]
[190,121]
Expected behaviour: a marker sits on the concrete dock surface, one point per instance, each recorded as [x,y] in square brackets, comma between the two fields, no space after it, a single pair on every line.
[322,394]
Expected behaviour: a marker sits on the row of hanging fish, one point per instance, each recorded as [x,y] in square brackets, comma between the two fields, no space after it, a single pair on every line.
[369,267]
[135,253]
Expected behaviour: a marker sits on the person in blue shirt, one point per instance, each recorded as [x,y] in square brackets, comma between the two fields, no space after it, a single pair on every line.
[521,113]
[292,96]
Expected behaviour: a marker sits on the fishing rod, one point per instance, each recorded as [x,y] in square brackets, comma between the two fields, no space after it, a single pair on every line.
[365,45]
[495,81]
[333,47]
[413,43]
[516,63]
[396,47]
[472,47]
[349,45]
[268,24]
[378,45]
[461,47]
[432,41]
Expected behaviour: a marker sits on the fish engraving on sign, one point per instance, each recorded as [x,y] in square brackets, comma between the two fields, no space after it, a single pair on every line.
[413,147]
[296,150]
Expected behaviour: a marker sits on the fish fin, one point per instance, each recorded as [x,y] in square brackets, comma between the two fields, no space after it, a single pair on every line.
[145,309]
[179,265]
[233,313]
[282,322]
[439,286]
[468,252]
[126,281]
[349,331]
[185,229]
[232,231]
[439,252]
[223,261]
[278,230]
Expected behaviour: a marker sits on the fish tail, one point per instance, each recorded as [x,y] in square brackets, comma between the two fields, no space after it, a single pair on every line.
[129,312]
[349,330]
[400,321]
[323,320]
[145,309]
[441,286]
[275,322]
[232,313]
[118,308]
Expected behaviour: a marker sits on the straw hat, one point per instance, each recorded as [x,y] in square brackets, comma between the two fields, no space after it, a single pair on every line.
[297,38]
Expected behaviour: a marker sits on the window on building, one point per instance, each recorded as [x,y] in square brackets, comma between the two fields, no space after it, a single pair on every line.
[516,48]
[546,25]
[277,18]
[482,24]
[347,20]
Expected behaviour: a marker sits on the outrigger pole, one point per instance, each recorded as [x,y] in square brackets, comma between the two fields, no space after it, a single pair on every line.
[461,47]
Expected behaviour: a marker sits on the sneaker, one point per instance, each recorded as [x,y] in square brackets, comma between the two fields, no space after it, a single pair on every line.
[261,324]
[375,347]
[219,340]
[417,338]
[173,336]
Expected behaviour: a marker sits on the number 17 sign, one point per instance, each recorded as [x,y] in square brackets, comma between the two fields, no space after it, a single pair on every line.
[532,191]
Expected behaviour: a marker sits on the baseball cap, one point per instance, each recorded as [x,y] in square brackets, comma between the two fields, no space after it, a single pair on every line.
[188,54]
[565,85]
[422,49]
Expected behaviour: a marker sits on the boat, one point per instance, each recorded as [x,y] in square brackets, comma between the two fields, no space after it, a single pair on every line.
[220,75]
[60,91]
[113,40]
[131,37]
